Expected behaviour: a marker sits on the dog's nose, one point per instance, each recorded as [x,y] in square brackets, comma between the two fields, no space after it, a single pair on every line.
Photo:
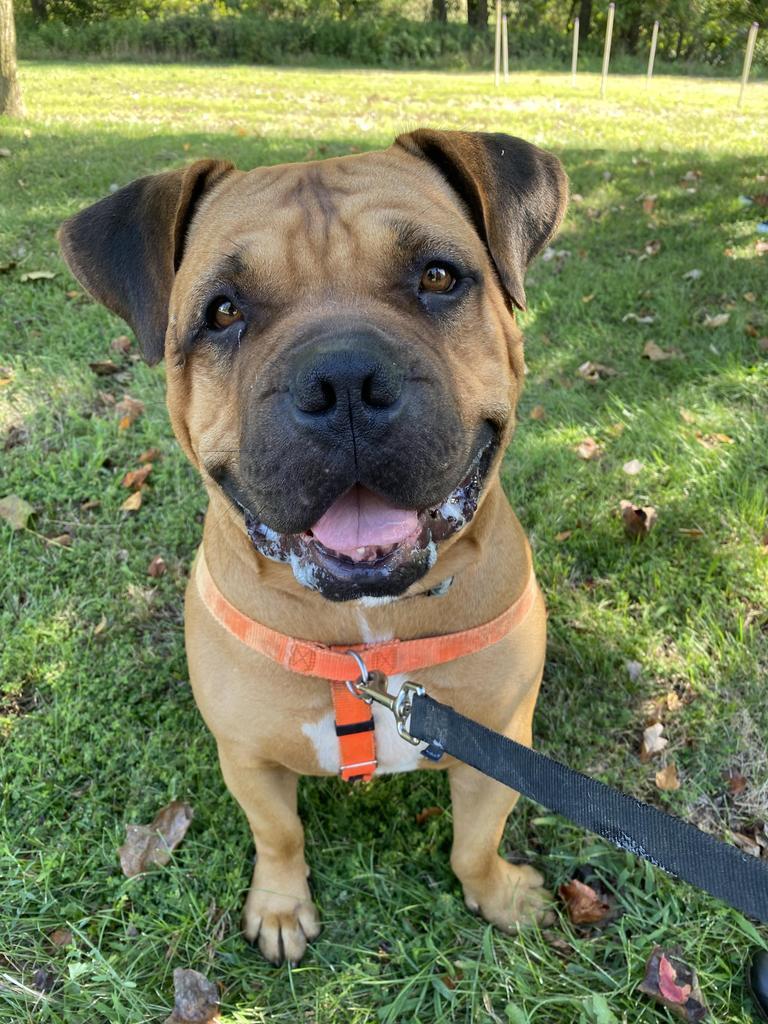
[348,380]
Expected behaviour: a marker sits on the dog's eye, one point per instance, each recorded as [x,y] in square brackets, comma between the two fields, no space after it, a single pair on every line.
[437,278]
[223,313]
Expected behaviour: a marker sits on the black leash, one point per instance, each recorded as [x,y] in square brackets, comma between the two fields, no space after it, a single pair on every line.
[680,849]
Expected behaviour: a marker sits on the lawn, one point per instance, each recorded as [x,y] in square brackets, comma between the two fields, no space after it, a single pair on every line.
[97,723]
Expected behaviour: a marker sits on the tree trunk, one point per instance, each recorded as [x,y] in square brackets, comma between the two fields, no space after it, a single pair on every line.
[440,11]
[39,9]
[585,18]
[477,13]
[10,93]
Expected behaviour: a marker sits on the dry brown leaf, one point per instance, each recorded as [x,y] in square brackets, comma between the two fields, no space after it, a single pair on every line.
[657,354]
[653,741]
[638,521]
[147,845]
[121,344]
[195,999]
[712,440]
[589,449]
[100,626]
[157,567]
[584,905]
[6,375]
[718,320]
[672,983]
[427,813]
[649,202]
[60,937]
[15,511]
[737,782]
[749,297]
[687,416]
[537,413]
[563,535]
[633,467]
[594,372]
[86,506]
[104,367]
[63,540]
[136,478]
[668,778]
[129,410]
[37,275]
[132,503]
[150,455]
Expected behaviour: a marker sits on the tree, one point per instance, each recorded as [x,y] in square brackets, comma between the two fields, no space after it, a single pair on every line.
[10,93]
[477,13]
[440,10]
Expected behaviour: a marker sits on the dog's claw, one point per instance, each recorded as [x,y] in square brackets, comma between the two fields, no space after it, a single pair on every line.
[281,925]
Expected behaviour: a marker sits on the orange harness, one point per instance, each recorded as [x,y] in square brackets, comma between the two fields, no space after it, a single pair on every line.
[354,718]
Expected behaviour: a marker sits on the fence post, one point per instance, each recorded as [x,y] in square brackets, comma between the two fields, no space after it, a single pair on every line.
[652,55]
[751,38]
[575,55]
[497,49]
[607,50]
[504,47]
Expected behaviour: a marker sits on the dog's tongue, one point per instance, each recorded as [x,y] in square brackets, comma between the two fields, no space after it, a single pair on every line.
[359,520]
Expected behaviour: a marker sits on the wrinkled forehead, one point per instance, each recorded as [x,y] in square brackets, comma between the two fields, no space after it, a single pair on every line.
[324,220]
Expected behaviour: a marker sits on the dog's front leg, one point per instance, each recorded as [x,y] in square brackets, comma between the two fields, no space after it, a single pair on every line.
[279,911]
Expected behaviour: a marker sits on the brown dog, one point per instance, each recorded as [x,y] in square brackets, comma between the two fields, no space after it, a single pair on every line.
[343,368]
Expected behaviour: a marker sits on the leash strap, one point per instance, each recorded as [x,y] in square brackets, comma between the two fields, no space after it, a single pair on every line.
[680,849]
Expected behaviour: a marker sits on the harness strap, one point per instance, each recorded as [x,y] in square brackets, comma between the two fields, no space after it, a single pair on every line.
[354,719]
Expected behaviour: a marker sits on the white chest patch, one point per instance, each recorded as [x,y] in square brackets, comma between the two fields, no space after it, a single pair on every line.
[393,753]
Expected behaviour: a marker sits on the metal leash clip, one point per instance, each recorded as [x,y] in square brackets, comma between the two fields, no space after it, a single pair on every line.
[372,688]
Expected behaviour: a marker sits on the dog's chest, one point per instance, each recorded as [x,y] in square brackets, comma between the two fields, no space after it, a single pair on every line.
[393,753]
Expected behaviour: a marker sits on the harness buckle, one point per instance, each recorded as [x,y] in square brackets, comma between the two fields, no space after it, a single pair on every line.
[372,688]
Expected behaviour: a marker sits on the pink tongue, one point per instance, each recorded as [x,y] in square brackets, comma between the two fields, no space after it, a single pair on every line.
[360,519]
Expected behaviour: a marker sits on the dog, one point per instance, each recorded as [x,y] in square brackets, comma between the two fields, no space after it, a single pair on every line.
[343,368]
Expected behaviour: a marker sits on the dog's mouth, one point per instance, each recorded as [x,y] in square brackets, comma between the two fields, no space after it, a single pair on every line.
[365,546]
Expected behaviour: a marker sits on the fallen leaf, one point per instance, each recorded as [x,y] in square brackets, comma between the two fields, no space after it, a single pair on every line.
[43,980]
[147,845]
[673,702]
[17,436]
[104,367]
[587,298]
[718,320]
[633,467]
[537,413]
[648,204]
[563,535]
[746,844]
[100,626]
[64,540]
[652,248]
[692,275]
[60,937]
[737,782]
[584,905]
[132,503]
[644,319]
[157,567]
[588,449]
[672,983]
[150,455]
[749,297]
[195,999]
[594,372]
[653,741]
[37,275]
[91,503]
[656,353]
[136,478]
[129,410]
[712,440]
[668,778]
[427,813]
[6,375]
[638,521]
[121,344]
[15,511]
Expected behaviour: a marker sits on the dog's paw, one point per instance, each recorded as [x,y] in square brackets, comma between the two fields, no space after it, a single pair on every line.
[281,924]
[510,897]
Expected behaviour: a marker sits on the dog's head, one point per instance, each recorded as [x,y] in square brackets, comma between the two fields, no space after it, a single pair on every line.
[343,361]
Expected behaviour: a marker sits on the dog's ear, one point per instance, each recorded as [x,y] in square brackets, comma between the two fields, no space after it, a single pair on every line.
[125,249]
[516,193]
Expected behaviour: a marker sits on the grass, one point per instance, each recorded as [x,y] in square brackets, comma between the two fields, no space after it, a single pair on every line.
[98,724]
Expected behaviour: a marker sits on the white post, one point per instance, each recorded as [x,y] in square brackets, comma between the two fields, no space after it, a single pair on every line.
[652,55]
[607,49]
[575,54]
[497,51]
[505,47]
[751,39]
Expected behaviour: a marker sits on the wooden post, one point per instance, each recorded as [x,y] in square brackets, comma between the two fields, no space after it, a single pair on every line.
[652,55]
[751,39]
[607,49]
[504,47]
[575,54]
[497,50]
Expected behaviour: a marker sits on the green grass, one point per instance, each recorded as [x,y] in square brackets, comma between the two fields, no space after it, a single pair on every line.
[99,727]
